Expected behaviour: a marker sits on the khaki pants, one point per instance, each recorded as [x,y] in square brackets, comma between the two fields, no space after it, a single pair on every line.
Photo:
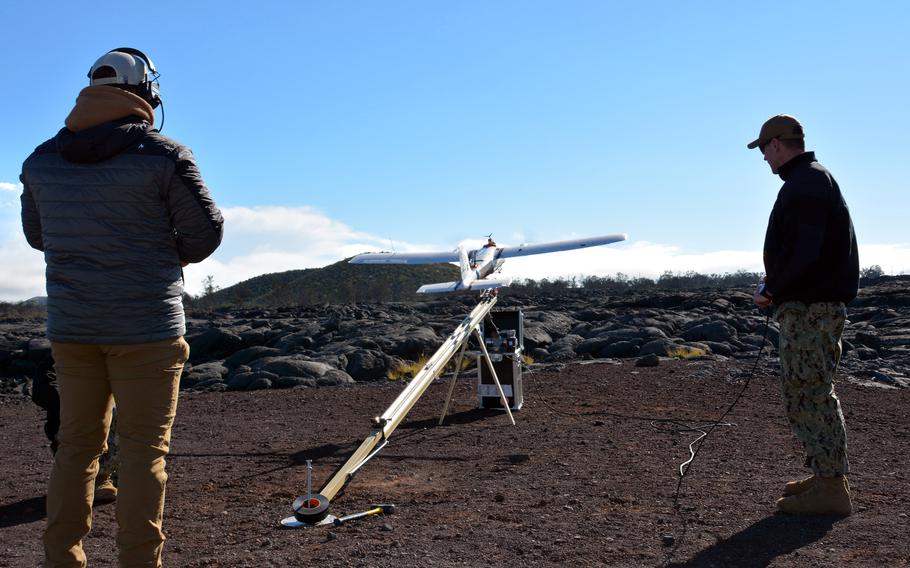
[143,379]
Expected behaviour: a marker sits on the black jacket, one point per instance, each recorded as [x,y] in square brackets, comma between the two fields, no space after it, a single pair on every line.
[810,246]
[116,208]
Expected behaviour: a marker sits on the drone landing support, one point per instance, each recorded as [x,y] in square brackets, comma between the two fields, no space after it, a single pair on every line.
[313,510]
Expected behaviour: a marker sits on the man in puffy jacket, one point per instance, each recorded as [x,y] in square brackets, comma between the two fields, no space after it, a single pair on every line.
[118,210]
[811,273]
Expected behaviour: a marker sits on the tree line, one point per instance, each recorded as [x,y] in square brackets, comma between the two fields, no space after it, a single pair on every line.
[689,280]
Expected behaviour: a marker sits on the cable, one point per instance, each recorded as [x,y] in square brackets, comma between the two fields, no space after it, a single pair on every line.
[681,426]
[686,466]
[160,128]
[701,429]
[655,423]
[688,463]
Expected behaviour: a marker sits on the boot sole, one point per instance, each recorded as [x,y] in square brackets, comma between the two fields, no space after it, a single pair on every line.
[839,514]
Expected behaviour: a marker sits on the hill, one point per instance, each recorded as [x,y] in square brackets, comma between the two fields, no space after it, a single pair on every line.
[339,283]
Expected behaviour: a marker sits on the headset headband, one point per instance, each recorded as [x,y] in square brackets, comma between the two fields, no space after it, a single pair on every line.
[136,52]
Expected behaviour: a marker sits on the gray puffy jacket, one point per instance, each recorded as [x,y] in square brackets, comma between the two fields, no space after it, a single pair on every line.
[116,208]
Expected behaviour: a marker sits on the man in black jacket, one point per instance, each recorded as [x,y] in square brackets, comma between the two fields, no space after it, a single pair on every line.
[118,210]
[811,273]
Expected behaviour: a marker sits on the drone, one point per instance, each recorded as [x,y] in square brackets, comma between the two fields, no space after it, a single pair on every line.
[480,267]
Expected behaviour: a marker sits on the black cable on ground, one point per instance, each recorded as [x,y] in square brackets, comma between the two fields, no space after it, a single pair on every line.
[686,466]
[683,426]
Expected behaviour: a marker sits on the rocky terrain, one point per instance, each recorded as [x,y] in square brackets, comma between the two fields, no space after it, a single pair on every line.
[339,344]
[619,388]
[586,477]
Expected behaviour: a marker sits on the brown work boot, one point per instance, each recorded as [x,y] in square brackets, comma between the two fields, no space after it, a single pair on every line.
[105,492]
[828,496]
[801,486]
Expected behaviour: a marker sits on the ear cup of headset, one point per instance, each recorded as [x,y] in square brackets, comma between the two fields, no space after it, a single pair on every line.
[150,92]
[149,89]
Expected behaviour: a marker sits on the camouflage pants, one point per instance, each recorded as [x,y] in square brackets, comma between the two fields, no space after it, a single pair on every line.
[810,350]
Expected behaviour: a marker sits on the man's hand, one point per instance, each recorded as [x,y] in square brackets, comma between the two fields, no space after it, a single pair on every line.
[759,297]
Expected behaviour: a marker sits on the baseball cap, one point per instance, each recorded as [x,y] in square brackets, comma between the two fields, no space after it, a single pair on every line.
[127,69]
[782,126]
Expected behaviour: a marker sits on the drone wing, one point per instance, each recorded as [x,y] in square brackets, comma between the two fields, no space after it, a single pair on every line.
[405,257]
[556,246]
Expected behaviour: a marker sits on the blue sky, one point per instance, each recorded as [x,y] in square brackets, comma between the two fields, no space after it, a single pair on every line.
[324,129]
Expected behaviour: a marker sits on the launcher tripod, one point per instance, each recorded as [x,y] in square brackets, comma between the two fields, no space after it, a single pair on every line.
[312,508]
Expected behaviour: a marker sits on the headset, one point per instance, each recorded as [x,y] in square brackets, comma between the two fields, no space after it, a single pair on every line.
[147,88]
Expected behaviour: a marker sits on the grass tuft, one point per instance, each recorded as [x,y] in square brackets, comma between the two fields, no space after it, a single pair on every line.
[406,369]
[686,352]
[409,369]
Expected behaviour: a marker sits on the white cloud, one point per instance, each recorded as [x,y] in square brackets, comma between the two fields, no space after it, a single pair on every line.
[635,259]
[300,222]
[23,270]
[22,267]
[266,239]
[9,197]
[893,258]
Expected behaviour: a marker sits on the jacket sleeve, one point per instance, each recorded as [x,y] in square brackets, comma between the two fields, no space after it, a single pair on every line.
[802,229]
[196,220]
[31,221]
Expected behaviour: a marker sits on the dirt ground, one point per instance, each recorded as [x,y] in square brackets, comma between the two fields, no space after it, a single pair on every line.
[587,477]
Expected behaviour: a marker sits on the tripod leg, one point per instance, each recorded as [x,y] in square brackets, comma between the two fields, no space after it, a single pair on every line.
[445,407]
[486,356]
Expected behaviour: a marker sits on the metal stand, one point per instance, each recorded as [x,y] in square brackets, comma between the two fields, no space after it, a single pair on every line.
[490,367]
[385,424]
[445,407]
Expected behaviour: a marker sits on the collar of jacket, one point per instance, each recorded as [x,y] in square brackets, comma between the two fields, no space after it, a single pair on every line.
[100,104]
[100,142]
[804,159]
